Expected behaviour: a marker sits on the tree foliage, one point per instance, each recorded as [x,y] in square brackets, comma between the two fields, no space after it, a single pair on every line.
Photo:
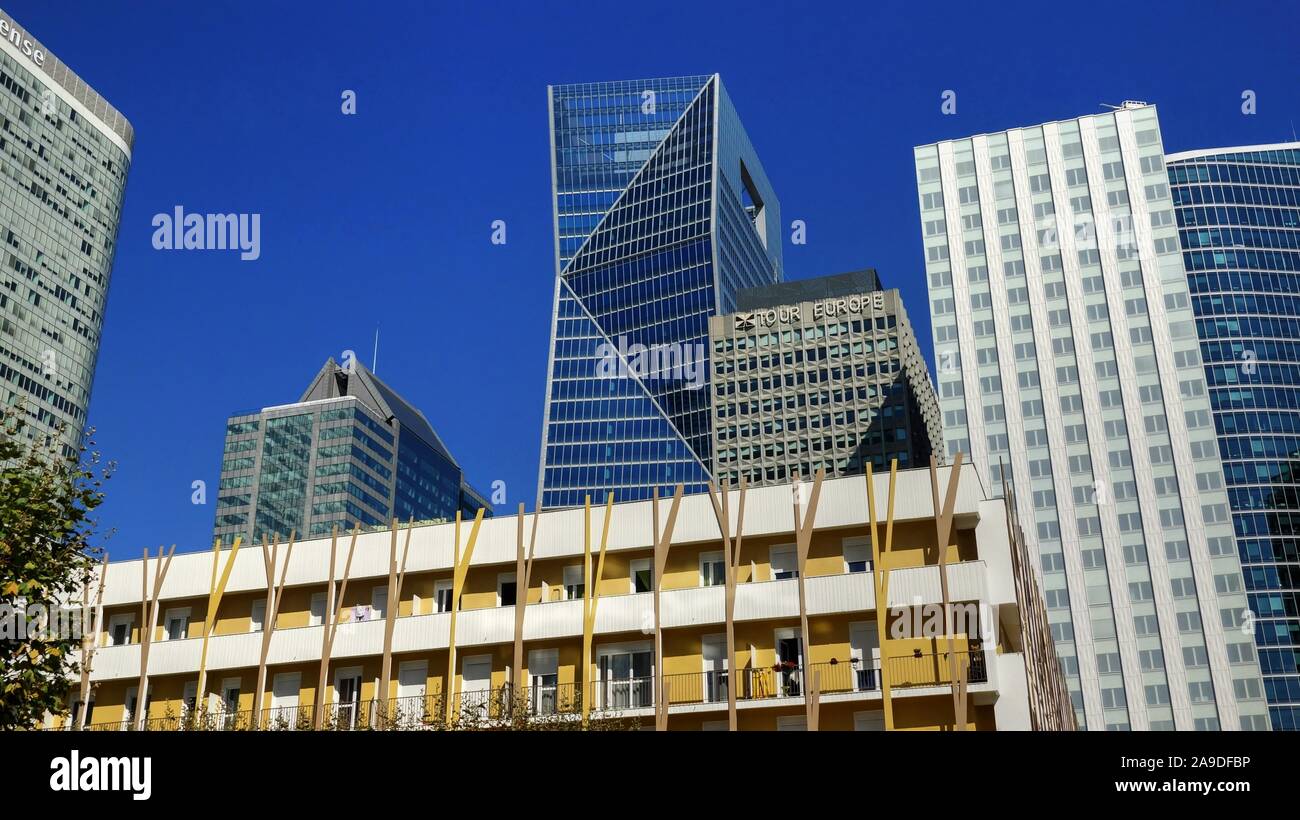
[47,493]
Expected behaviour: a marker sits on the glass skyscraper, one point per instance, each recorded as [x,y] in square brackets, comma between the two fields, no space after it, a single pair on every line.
[662,212]
[66,153]
[1238,215]
[350,451]
[1068,364]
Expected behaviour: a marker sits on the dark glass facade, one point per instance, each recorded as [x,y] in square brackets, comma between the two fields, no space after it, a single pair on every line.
[662,211]
[1238,215]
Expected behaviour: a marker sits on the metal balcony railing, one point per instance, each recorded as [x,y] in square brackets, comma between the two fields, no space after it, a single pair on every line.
[497,707]
[935,669]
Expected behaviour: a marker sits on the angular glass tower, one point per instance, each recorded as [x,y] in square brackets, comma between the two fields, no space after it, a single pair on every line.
[1238,215]
[1068,365]
[662,212]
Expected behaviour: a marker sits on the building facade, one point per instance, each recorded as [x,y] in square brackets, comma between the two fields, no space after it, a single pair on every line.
[65,157]
[1068,364]
[819,373]
[454,622]
[1238,213]
[350,451]
[662,213]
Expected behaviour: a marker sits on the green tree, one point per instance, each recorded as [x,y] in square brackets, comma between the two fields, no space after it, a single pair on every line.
[47,492]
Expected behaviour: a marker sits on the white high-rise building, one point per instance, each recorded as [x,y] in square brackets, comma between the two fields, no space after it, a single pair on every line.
[1068,364]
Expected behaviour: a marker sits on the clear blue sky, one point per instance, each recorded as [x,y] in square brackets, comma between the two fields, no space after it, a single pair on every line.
[384,218]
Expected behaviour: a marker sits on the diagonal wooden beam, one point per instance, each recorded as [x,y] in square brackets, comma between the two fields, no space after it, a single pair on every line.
[523,582]
[149,612]
[661,545]
[460,569]
[803,531]
[274,593]
[90,637]
[880,582]
[330,621]
[943,533]
[396,577]
[590,598]
[731,569]
[216,591]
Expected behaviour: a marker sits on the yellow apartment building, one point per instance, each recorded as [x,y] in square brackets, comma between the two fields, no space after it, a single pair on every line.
[753,609]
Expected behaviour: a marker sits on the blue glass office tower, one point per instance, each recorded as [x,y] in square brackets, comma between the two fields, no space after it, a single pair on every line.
[662,212]
[1238,213]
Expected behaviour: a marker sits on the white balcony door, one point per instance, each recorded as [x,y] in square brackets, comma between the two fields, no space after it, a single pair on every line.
[347,696]
[626,676]
[784,562]
[412,681]
[714,650]
[543,680]
[189,698]
[789,658]
[864,649]
[476,684]
[284,698]
[317,616]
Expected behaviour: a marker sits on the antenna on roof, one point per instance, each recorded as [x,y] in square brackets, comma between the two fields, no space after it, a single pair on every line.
[1126,104]
[374,362]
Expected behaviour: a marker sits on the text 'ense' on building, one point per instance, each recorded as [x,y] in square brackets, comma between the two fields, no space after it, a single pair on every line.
[65,154]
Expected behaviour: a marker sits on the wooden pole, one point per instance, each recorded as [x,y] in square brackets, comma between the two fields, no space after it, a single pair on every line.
[943,532]
[459,571]
[523,582]
[803,531]
[590,598]
[880,578]
[216,590]
[396,578]
[333,614]
[274,594]
[731,569]
[661,544]
[89,638]
[149,612]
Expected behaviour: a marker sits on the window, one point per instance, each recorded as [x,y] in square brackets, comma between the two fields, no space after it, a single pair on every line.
[176,624]
[379,601]
[442,596]
[641,573]
[574,586]
[544,680]
[857,555]
[507,589]
[784,564]
[317,616]
[119,630]
[257,617]
[713,569]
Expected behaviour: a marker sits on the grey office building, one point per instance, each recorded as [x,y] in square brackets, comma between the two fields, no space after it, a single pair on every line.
[349,451]
[1067,350]
[819,373]
[64,153]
